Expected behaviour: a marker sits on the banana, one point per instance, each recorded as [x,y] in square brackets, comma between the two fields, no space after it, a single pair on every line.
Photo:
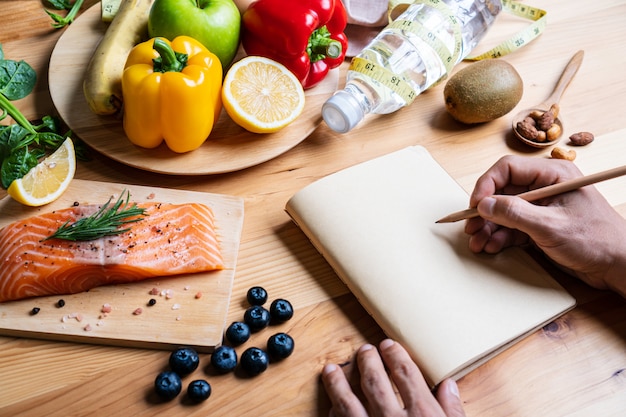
[102,85]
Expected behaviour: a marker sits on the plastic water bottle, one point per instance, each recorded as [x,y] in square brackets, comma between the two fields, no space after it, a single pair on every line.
[412,53]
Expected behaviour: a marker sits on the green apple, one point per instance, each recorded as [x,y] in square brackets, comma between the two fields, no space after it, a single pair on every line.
[214,23]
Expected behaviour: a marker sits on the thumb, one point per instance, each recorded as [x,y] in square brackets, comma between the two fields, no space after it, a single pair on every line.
[512,212]
[449,399]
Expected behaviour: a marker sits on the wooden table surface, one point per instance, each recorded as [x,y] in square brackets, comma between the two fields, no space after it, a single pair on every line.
[573,367]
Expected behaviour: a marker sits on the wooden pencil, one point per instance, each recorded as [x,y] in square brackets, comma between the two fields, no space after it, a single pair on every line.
[548,191]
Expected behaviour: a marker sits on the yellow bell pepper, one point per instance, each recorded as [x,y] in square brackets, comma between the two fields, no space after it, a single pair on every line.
[172,93]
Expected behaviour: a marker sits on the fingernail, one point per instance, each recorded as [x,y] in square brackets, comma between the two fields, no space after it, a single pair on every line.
[387,343]
[486,206]
[328,369]
[366,347]
[453,389]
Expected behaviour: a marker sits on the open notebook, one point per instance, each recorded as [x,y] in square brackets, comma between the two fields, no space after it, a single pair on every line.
[375,225]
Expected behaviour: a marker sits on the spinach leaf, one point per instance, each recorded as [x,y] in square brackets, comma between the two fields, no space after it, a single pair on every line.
[17,79]
[49,123]
[60,21]
[23,143]
[60,4]
[17,165]
[13,137]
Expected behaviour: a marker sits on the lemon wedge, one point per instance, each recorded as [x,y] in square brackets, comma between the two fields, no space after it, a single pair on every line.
[262,95]
[45,182]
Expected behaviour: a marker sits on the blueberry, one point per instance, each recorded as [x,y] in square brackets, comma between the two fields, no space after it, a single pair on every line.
[199,390]
[254,361]
[224,359]
[280,346]
[257,296]
[281,310]
[184,361]
[238,333]
[167,385]
[257,318]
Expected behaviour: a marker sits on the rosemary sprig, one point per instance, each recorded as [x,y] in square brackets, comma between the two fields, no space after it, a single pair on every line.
[105,222]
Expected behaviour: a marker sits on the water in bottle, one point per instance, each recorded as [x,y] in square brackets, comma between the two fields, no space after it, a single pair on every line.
[412,53]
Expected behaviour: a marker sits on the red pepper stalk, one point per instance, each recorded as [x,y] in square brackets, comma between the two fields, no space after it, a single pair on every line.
[306,36]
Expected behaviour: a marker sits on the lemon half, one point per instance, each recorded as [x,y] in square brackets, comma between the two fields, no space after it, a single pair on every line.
[262,95]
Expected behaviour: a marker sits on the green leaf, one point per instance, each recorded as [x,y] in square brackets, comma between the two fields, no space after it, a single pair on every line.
[60,21]
[60,4]
[17,79]
[17,165]
[13,137]
[49,140]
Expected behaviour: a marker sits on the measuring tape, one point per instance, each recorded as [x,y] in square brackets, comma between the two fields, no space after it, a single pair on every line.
[448,59]
[401,86]
[109,9]
[385,77]
[522,37]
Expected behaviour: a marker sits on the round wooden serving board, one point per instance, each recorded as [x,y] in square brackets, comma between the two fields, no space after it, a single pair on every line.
[228,148]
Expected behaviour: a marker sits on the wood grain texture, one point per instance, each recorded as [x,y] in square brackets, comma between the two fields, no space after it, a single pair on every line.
[576,374]
[178,319]
[228,148]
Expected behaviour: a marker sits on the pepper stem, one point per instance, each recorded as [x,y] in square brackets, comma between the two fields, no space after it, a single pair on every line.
[321,46]
[168,60]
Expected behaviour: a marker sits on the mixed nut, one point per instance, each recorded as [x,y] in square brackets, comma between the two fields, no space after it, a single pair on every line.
[577,139]
[540,126]
[560,153]
[581,138]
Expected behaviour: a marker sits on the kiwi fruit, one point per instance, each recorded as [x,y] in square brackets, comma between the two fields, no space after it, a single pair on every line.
[483,91]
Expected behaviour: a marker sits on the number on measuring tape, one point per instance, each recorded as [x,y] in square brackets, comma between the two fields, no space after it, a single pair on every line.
[385,77]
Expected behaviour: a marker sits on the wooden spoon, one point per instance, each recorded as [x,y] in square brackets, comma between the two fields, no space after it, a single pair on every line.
[566,77]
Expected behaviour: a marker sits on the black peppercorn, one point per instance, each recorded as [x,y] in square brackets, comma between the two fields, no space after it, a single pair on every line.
[34,311]
[152,302]
[61,303]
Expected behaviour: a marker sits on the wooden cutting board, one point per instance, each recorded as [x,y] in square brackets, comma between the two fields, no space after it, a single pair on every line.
[178,319]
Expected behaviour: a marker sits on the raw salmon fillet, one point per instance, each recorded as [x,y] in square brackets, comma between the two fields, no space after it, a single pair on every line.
[170,240]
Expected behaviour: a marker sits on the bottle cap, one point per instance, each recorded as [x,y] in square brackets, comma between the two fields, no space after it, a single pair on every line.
[342,112]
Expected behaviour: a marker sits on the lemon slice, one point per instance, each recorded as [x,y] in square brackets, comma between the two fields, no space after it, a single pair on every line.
[46,181]
[262,95]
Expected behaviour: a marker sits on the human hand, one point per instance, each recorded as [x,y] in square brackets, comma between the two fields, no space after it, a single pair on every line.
[578,230]
[378,391]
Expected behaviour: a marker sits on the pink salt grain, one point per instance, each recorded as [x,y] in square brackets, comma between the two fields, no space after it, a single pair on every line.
[76,316]
[106,308]
[138,311]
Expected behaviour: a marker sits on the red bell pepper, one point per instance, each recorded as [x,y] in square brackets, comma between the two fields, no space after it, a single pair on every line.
[306,36]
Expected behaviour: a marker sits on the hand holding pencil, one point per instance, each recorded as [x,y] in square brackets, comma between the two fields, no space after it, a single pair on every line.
[578,230]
